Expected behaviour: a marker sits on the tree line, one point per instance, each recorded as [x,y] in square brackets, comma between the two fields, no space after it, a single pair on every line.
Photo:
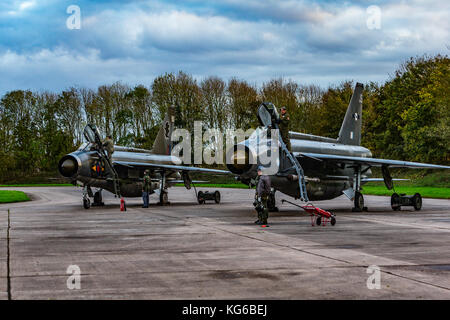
[407,117]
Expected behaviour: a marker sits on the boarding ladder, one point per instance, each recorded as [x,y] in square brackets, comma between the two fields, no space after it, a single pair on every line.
[268,117]
[298,168]
[115,175]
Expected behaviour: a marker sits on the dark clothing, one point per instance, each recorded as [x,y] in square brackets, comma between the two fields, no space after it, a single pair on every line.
[108,144]
[264,214]
[284,130]
[145,199]
[263,190]
[263,186]
[146,183]
[146,187]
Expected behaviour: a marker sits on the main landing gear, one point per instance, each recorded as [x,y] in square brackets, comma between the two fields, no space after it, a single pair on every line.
[163,193]
[358,200]
[359,203]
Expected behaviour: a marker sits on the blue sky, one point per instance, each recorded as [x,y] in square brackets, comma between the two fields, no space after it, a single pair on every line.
[321,42]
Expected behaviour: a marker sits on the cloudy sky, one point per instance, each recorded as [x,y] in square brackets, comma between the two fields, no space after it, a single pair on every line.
[132,41]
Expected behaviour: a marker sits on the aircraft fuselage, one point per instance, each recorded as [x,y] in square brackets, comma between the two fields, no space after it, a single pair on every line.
[88,168]
[325,180]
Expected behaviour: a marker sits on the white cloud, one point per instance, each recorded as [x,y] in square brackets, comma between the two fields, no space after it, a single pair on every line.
[253,40]
[26,5]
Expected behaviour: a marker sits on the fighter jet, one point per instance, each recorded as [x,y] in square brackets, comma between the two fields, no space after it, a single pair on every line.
[122,174]
[319,168]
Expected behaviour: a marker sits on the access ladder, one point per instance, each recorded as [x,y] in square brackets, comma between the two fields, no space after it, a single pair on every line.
[298,168]
[115,175]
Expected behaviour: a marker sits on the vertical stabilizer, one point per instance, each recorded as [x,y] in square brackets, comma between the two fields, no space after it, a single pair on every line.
[350,132]
[162,143]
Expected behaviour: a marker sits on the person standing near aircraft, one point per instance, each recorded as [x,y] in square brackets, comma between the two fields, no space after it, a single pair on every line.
[284,128]
[108,144]
[262,194]
[146,188]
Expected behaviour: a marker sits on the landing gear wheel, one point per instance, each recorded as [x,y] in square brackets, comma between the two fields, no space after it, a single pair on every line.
[395,202]
[86,203]
[359,202]
[417,201]
[164,198]
[200,198]
[217,197]
[319,221]
[333,221]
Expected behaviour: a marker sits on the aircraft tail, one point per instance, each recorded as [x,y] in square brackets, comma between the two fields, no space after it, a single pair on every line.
[350,132]
[163,144]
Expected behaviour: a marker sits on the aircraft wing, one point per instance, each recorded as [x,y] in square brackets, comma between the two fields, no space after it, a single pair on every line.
[371,161]
[380,179]
[169,167]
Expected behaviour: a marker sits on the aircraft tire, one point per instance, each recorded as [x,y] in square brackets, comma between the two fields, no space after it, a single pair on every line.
[417,201]
[217,197]
[164,197]
[333,221]
[86,203]
[200,198]
[359,201]
[395,202]
[319,221]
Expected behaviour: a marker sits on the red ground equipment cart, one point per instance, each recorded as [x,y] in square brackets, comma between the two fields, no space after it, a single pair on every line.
[318,216]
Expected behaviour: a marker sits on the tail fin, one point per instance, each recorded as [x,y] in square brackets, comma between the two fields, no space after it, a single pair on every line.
[350,132]
[163,143]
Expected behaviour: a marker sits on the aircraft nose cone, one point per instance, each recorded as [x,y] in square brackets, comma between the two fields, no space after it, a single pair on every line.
[68,167]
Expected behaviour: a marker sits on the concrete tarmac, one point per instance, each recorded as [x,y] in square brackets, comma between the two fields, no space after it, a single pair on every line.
[190,251]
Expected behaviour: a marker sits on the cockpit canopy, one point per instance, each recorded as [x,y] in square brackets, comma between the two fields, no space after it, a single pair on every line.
[92,134]
[267,113]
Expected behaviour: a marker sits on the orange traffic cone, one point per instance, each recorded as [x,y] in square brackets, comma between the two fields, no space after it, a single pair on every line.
[123,206]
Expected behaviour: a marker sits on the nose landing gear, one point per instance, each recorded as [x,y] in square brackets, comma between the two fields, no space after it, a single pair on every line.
[87,194]
[86,203]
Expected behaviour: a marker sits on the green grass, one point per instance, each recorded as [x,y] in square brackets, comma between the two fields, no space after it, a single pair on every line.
[37,185]
[369,189]
[7,196]
[426,192]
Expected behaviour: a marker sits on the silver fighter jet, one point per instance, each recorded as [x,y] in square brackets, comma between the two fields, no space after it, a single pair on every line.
[122,174]
[320,168]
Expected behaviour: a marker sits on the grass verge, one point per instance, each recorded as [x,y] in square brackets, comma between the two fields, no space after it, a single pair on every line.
[425,192]
[8,196]
[369,189]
